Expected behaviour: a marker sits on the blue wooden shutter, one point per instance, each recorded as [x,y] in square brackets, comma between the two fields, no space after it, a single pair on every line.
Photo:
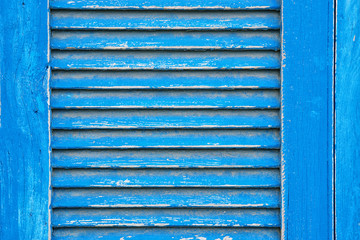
[165,119]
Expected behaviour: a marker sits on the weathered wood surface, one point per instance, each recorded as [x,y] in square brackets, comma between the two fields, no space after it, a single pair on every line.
[164,60]
[307,119]
[112,139]
[166,158]
[166,198]
[347,95]
[184,99]
[208,178]
[157,118]
[160,20]
[161,40]
[165,118]
[24,120]
[182,79]
[166,218]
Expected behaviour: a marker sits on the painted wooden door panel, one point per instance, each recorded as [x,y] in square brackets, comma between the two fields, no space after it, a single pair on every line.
[165,120]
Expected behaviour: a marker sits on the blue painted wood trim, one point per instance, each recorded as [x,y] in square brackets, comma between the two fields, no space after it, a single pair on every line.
[347,92]
[24,131]
[307,119]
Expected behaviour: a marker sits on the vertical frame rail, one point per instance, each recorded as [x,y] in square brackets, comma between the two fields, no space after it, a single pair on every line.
[347,102]
[307,118]
[24,130]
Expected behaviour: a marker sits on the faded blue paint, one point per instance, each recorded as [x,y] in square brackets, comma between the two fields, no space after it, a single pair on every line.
[235,79]
[161,20]
[164,60]
[162,128]
[161,40]
[182,138]
[307,119]
[166,99]
[183,217]
[24,131]
[166,198]
[164,158]
[347,97]
[164,178]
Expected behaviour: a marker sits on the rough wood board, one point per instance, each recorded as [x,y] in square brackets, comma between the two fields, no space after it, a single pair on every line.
[24,131]
[307,119]
[347,92]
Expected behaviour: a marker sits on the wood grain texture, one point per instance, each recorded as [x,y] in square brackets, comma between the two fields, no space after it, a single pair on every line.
[347,92]
[307,119]
[24,130]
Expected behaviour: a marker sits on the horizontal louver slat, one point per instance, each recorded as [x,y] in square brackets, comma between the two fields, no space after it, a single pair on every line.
[235,79]
[178,233]
[164,158]
[160,20]
[143,119]
[240,178]
[165,198]
[166,217]
[164,60]
[242,99]
[166,5]
[79,139]
[164,40]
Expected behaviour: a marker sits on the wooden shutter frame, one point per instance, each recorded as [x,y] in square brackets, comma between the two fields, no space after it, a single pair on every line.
[308,119]
[307,158]
[25,120]
[347,132]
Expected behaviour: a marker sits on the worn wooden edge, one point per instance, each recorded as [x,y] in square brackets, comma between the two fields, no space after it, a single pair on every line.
[347,135]
[307,157]
[24,130]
